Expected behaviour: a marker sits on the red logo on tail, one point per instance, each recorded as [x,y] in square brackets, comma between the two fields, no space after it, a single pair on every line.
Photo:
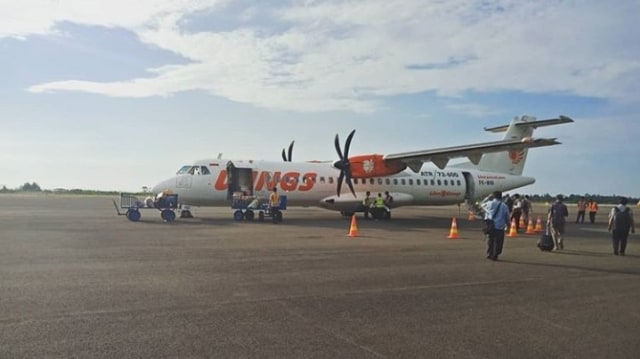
[516,156]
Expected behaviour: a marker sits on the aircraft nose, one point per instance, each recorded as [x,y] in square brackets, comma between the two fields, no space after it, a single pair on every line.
[162,186]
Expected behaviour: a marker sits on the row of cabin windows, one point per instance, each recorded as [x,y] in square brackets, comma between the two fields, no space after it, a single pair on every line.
[203,170]
[396,181]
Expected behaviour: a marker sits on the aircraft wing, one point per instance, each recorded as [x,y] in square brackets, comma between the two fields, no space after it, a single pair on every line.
[441,156]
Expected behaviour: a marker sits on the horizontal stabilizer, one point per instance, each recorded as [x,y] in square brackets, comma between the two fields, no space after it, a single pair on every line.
[533,124]
[440,157]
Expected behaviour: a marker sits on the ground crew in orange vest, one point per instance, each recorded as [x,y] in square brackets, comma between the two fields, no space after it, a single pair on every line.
[274,199]
[593,209]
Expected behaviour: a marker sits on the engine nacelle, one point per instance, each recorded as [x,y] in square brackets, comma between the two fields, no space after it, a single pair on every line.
[366,166]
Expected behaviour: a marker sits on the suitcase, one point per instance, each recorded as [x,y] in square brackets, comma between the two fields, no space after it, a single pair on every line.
[545,243]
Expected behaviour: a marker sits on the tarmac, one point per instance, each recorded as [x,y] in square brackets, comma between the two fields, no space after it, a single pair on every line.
[79,281]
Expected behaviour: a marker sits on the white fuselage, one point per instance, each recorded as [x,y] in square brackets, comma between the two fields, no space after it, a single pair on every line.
[315,183]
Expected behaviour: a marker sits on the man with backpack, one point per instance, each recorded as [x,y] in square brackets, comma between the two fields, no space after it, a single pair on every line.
[557,215]
[620,222]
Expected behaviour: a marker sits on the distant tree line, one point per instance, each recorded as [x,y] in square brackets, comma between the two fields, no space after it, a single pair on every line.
[26,187]
[34,187]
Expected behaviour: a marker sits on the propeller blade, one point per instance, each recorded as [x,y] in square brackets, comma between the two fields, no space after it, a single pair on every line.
[288,158]
[337,145]
[340,178]
[291,151]
[350,185]
[347,145]
[343,163]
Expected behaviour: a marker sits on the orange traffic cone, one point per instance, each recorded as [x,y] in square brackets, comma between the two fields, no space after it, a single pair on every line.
[453,233]
[472,216]
[353,229]
[530,229]
[522,224]
[512,229]
[538,228]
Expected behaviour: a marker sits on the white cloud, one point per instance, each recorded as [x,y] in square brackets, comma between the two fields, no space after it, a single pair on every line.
[472,109]
[27,17]
[335,55]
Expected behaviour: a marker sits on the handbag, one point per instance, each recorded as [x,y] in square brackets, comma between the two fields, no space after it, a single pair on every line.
[487,226]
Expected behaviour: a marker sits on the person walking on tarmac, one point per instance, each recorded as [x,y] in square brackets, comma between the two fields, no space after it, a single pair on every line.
[388,201]
[620,222]
[497,220]
[582,209]
[366,205]
[516,211]
[526,208]
[593,209]
[557,218]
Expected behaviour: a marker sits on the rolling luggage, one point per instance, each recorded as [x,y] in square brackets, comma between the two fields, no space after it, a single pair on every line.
[545,243]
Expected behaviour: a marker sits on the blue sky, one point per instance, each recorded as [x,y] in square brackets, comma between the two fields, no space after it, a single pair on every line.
[118,95]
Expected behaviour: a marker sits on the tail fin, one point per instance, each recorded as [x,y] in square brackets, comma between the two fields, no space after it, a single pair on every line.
[512,162]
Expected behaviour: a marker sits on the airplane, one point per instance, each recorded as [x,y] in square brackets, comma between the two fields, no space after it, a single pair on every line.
[490,166]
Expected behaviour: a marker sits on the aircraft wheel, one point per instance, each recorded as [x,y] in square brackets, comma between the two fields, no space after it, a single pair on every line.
[133,215]
[248,215]
[277,216]
[238,215]
[261,216]
[186,214]
[168,215]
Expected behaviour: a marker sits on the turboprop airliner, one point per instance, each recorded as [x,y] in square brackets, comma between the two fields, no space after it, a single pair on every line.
[490,166]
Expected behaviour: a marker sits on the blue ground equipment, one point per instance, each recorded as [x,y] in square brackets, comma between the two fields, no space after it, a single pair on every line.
[166,204]
[245,209]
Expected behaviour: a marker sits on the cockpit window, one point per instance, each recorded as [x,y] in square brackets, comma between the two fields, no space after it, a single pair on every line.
[198,170]
[184,170]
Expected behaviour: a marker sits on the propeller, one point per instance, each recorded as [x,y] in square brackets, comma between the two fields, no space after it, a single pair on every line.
[288,158]
[343,163]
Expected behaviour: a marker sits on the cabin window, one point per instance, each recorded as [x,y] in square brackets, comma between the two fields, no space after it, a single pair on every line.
[387,181]
[403,182]
[433,183]
[458,182]
[321,179]
[439,183]
[372,181]
[379,180]
[410,182]
[205,170]
[446,182]
[330,180]
[395,181]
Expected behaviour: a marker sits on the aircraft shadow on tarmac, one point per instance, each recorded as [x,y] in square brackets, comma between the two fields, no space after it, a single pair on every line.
[403,224]
[584,268]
